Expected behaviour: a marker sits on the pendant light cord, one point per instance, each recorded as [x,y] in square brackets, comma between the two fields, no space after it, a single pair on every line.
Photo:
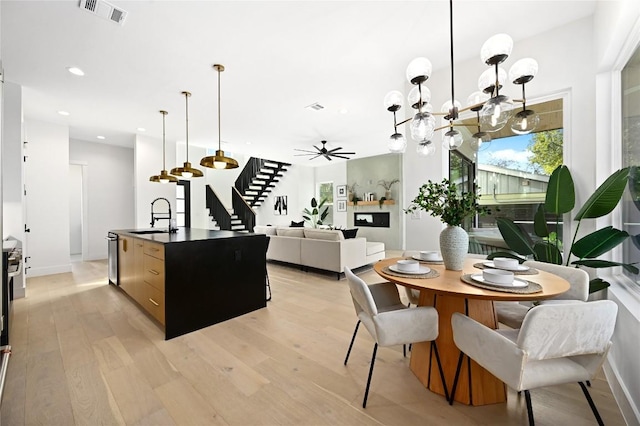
[186,101]
[454,113]
[219,130]
[164,113]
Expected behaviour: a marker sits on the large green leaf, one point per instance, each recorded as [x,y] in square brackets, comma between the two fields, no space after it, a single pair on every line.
[540,222]
[598,242]
[606,197]
[314,203]
[598,263]
[597,284]
[547,252]
[561,195]
[516,238]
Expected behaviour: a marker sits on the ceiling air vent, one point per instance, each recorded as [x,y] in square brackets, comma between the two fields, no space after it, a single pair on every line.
[104,10]
[315,106]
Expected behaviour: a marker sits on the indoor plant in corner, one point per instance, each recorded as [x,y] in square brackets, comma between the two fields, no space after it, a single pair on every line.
[560,199]
[317,214]
[452,206]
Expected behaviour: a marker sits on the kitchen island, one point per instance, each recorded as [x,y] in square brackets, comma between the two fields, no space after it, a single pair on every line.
[193,278]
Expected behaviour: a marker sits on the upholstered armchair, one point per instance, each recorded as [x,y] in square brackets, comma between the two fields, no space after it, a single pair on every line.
[511,314]
[388,321]
[557,344]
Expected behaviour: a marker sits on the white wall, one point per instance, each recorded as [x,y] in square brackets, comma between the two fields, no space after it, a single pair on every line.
[336,173]
[46,179]
[299,186]
[108,191]
[148,162]
[75,209]
[12,175]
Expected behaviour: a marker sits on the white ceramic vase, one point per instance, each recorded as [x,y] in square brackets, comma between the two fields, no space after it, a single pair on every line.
[454,245]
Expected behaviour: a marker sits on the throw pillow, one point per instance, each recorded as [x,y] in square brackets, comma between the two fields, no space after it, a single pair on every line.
[349,233]
[297,224]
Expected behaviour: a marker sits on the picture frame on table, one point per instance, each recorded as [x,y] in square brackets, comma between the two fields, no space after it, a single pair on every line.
[341,191]
[342,205]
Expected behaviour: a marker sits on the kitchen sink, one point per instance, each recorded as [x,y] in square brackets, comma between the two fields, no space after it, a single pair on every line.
[150,231]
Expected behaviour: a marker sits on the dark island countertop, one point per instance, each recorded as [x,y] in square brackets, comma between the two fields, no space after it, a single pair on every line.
[162,236]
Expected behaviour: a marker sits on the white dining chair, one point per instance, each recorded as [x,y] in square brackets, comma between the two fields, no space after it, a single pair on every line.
[389,321]
[557,344]
[511,314]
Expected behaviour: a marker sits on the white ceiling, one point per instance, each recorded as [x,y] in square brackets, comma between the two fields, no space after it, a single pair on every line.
[280,56]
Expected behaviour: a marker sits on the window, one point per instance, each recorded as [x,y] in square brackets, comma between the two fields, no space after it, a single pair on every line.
[630,85]
[325,192]
[183,203]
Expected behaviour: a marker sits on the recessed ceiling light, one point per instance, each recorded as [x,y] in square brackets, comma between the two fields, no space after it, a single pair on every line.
[75,71]
[100,137]
[141,129]
[343,111]
[248,143]
[65,113]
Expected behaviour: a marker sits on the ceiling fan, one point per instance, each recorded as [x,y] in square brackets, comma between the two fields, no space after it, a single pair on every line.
[326,153]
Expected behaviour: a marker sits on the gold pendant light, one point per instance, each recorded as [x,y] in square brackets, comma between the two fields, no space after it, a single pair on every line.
[163,177]
[219,161]
[186,171]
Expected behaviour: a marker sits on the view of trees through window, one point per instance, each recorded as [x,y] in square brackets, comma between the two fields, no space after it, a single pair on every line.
[325,191]
[511,172]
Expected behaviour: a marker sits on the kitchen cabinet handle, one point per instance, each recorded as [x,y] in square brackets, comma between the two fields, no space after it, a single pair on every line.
[155,249]
[153,301]
[154,272]
[139,245]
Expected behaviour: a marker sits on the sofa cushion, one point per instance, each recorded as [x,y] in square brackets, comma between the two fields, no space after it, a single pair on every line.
[267,230]
[349,233]
[323,234]
[374,247]
[297,224]
[290,232]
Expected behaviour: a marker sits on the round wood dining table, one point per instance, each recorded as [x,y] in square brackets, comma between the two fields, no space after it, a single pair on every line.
[449,294]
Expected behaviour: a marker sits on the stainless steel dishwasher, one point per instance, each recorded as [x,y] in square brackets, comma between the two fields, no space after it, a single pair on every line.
[112,241]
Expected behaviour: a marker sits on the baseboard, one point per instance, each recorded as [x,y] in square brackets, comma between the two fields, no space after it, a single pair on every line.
[629,411]
[49,270]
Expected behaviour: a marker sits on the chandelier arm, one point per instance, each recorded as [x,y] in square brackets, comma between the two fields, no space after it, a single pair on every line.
[450,125]
[404,121]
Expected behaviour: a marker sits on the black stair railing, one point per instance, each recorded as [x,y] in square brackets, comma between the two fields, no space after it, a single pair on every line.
[243,210]
[218,210]
[250,170]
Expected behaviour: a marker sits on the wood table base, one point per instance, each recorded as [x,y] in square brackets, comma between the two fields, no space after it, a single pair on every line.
[476,386]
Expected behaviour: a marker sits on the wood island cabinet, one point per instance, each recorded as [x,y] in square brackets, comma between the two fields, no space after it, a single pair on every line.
[195,278]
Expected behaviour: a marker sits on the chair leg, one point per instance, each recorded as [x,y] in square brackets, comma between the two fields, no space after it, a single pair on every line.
[527,396]
[268,288]
[455,379]
[591,404]
[351,344]
[588,382]
[366,391]
[404,350]
[444,383]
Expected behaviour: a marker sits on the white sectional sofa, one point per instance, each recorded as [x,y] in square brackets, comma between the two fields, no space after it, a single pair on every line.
[320,248]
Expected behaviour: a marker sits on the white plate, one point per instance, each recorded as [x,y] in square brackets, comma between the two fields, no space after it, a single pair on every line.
[421,270]
[516,283]
[490,264]
[417,257]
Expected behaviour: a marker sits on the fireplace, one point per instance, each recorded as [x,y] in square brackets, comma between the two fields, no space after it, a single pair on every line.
[373,220]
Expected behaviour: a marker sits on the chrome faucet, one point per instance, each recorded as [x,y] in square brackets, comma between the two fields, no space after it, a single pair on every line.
[157,216]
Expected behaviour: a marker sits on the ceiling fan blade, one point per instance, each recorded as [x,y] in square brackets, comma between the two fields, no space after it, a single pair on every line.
[304,150]
[300,155]
[319,150]
[334,149]
[327,157]
[345,153]
[340,156]
[313,158]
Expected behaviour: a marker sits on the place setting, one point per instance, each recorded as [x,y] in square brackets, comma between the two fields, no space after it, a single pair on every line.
[433,257]
[506,264]
[501,280]
[410,268]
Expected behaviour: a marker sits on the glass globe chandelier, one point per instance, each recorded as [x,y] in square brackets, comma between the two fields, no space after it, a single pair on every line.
[493,109]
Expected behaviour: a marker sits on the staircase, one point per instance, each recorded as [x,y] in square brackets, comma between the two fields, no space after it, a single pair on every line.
[258,178]
[251,188]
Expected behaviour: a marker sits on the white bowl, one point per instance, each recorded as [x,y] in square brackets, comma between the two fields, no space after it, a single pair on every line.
[408,265]
[429,255]
[498,276]
[506,263]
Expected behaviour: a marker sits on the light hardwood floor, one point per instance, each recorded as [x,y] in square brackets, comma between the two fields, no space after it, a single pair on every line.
[84,354]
